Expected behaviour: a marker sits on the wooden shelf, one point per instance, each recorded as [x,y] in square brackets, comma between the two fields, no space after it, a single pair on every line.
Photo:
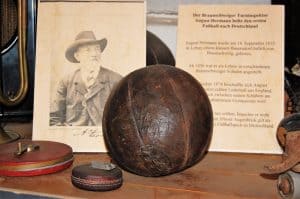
[218,175]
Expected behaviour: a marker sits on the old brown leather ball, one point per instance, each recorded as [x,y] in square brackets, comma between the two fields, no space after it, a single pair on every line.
[157,121]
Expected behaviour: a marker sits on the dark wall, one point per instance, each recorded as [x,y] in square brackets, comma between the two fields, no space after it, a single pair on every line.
[292,30]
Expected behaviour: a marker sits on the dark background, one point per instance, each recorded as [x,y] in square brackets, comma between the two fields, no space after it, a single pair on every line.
[292,30]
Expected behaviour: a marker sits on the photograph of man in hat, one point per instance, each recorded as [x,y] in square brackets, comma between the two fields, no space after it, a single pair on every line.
[80,97]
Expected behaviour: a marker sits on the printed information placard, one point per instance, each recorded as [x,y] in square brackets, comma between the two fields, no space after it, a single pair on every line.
[236,53]
[84,48]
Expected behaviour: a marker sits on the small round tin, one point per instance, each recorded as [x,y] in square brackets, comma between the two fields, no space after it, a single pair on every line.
[97,176]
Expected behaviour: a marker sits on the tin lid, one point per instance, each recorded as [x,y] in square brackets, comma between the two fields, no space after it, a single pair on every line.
[29,158]
[97,176]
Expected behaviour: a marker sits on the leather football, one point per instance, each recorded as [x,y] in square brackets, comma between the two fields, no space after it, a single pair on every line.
[157,121]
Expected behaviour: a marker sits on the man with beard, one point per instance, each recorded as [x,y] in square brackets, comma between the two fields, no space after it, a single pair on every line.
[81,96]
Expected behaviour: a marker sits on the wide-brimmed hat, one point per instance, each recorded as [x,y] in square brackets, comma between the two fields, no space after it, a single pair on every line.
[84,37]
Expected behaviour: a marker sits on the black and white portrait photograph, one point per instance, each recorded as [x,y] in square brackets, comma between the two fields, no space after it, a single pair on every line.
[81,95]
[84,49]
